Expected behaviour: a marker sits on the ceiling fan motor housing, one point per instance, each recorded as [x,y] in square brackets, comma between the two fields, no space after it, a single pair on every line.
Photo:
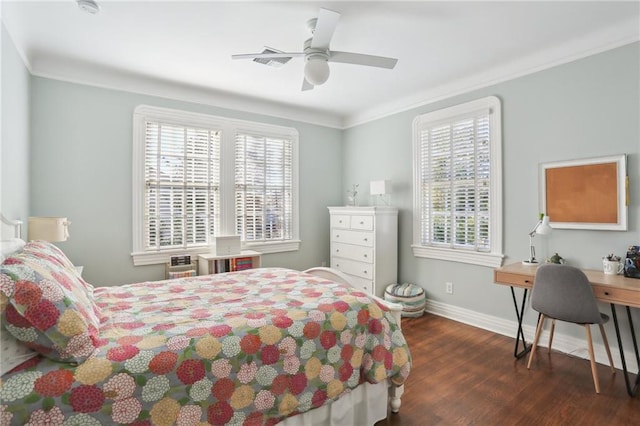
[308,50]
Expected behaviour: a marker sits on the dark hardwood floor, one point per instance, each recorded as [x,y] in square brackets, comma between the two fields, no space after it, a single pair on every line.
[464,375]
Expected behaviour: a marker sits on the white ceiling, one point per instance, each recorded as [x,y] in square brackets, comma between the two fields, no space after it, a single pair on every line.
[182,49]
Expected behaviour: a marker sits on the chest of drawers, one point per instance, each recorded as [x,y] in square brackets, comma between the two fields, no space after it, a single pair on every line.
[364,245]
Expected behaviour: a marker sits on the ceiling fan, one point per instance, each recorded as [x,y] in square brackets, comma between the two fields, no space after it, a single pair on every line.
[316,52]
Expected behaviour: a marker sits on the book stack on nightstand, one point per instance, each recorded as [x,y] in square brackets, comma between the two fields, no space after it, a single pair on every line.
[211,263]
[241,263]
[181,267]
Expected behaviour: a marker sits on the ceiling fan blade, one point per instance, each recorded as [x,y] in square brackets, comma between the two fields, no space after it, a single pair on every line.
[267,55]
[306,85]
[325,26]
[360,59]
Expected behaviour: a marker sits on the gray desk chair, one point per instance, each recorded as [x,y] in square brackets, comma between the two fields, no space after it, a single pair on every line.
[562,292]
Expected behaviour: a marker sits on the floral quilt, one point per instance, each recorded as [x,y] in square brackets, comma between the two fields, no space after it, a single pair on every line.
[242,348]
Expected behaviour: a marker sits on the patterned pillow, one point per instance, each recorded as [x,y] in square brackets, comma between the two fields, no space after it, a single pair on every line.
[48,307]
[50,253]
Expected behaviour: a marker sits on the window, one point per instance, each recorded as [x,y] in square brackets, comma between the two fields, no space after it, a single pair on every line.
[196,176]
[458,183]
[263,188]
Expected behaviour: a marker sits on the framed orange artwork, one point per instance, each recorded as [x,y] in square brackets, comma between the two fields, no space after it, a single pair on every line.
[585,194]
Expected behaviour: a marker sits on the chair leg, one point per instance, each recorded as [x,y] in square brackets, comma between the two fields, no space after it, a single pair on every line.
[592,359]
[534,345]
[553,328]
[606,346]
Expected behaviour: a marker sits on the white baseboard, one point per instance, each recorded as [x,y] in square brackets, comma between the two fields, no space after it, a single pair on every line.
[561,342]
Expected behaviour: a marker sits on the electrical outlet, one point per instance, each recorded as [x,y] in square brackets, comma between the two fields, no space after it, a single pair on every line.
[448,288]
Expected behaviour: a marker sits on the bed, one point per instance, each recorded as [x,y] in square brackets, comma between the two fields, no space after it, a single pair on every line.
[264,346]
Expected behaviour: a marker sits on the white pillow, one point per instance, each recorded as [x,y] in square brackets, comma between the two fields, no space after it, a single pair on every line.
[12,352]
[10,246]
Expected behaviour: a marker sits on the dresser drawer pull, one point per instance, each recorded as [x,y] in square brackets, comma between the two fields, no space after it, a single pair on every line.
[361,223]
[366,239]
[365,256]
[337,250]
[606,293]
[337,235]
[340,221]
[337,265]
[365,271]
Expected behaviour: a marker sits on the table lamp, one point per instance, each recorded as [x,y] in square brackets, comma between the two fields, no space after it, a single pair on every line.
[380,188]
[542,228]
[52,229]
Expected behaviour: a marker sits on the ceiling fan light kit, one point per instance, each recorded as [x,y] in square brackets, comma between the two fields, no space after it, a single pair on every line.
[316,70]
[317,54]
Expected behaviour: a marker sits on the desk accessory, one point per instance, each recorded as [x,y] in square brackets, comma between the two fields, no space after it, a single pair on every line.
[612,264]
[542,228]
[632,262]
[556,258]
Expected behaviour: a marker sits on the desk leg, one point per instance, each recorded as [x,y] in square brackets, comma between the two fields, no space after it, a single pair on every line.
[631,391]
[520,333]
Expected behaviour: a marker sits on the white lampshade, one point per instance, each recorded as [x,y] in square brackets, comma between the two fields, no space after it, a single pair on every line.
[544,227]
[316,70]
[53,229]
[380,187]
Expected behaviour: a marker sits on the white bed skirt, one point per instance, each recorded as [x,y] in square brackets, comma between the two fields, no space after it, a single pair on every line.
[363,406]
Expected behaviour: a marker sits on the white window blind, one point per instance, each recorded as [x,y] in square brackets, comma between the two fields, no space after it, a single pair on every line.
[196,176]
[457,182]
[182,181]
[454,171]
[263,188]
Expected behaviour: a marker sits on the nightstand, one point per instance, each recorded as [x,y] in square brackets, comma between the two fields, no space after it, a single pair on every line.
[213,264]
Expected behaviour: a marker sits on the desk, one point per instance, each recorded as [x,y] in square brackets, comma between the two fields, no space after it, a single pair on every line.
[612,289]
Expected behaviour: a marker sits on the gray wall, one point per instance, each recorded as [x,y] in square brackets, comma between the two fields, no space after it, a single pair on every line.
[14,167]
[81,168]
[583,109]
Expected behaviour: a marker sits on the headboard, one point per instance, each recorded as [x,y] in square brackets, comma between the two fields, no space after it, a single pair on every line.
[10,236]
[10,228]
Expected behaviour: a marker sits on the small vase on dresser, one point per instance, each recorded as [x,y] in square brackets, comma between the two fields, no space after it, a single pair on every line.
[364,245]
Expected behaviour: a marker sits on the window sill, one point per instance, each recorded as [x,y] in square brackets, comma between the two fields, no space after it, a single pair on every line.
[163,256]
[274,247]
[492,260]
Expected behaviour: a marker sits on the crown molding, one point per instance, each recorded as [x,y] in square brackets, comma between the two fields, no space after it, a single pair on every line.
[76,71]
[21,53]
[610,38]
